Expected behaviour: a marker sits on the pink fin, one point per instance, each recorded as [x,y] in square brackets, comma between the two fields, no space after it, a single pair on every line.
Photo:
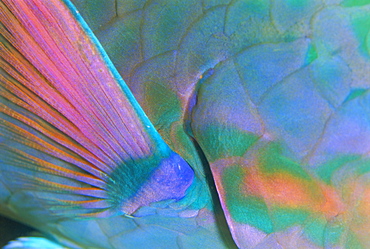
[67,119]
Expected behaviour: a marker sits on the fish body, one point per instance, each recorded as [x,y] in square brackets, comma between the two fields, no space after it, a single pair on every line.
[187,124]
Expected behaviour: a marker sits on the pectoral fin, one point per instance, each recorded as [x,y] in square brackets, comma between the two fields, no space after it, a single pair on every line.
[72,134]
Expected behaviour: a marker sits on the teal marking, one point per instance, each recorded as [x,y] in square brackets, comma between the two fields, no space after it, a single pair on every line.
[297,4]
[287,217]
[355,93]
[244,209]
[273,161]
[333,234]
[352,3]
[225,141]
[363,167]
[311,54]
[315,231]
[361,27]
[326,171]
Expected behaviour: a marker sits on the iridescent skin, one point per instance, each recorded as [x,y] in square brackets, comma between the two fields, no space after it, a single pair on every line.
[276,95]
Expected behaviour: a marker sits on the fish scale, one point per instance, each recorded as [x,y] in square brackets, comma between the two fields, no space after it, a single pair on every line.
[268,98]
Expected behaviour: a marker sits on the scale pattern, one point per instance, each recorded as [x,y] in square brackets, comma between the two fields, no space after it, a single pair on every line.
[275,94]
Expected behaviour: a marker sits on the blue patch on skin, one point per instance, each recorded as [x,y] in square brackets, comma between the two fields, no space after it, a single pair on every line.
[174,176]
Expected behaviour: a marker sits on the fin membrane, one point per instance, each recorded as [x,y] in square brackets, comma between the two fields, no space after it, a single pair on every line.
[70,129]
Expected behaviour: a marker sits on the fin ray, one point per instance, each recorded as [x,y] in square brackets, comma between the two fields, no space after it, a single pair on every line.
[73,133]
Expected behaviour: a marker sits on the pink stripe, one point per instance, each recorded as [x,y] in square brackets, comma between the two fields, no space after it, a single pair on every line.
[96,115]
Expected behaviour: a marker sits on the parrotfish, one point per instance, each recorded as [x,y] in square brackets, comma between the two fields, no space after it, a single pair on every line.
[186,124]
